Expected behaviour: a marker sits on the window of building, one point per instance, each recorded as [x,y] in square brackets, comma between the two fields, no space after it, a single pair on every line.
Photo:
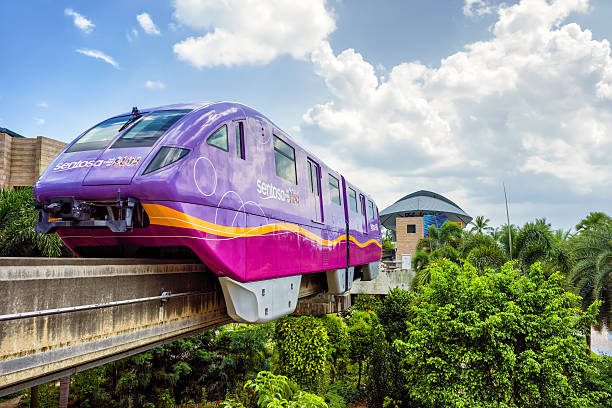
[411,228]
[240,140]
[98,137]
[284,160]
[370,210]
[352,199]
[148,129]
[334,189]
[219,139]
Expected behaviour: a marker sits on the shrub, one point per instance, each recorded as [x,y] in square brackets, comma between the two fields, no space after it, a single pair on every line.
[302,345]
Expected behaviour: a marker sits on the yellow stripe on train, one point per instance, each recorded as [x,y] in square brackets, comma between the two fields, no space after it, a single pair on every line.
[162,215]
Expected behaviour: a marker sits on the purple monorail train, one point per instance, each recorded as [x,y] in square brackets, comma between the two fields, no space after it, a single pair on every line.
[219,181]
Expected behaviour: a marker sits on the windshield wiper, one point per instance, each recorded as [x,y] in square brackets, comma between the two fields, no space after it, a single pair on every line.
[135,115]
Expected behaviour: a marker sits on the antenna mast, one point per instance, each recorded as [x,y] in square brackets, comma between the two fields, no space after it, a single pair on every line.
[508,218]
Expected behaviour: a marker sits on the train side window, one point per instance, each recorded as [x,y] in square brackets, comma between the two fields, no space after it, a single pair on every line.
[240,140]
[370,210]
[313,177]
[310,177]
[334,189]
[284,160]
[352,197]
[219,139]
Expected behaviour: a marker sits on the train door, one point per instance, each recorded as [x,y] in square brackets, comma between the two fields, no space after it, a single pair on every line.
[314,172]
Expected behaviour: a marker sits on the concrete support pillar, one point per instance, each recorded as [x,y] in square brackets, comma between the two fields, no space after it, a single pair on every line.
[34,400]
[64,391]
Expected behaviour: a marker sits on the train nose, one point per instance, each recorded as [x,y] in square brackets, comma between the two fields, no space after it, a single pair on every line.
[116,166]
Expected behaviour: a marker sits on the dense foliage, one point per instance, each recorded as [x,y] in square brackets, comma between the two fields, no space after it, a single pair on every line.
[302,348]
[502,339]
[17,234]
[591,277]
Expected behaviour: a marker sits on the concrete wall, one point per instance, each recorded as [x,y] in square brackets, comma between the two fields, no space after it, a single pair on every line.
[23,160]
[406,243]
[385,280]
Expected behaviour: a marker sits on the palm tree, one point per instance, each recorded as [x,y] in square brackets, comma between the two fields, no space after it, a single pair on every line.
[486,257]
[562,235]
[17,220]
[442,243]
[474,241]
[448,234]
[591,276]
[593,220]
[501,236]
[536,243]
[481,225]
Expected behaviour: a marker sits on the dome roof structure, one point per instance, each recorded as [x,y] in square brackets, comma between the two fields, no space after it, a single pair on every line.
[422,203]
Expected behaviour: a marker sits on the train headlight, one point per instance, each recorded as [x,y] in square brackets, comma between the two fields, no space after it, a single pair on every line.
[165,157]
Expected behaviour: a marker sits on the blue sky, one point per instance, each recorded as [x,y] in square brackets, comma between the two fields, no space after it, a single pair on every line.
[453,96]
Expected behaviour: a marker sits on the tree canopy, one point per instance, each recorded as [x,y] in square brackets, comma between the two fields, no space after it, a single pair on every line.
[496,340]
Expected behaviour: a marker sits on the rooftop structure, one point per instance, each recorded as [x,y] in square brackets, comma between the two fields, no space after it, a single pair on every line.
[410,217]
[422,203]
[24,159]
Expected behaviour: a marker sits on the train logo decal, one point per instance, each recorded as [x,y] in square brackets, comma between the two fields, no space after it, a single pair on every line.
[123,161]
[270,191]
[120,161]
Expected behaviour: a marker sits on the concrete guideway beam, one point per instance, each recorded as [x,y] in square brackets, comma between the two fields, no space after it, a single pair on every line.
[62,316]
[37,346]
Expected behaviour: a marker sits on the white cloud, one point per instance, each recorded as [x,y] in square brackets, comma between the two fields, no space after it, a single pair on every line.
[530,106]
[80,21]
[477,7]
[155,85]
[147,24]
[99,55]
[39,121]
[234,36]
[42,104]
[132,35]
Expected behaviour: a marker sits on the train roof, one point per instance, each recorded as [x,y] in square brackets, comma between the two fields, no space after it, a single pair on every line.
[246,109]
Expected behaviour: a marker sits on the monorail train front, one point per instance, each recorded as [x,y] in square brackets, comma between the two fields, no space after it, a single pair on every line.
[95,193]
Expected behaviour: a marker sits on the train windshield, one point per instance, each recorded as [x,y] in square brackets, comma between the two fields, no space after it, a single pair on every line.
[148,129]
[98,137]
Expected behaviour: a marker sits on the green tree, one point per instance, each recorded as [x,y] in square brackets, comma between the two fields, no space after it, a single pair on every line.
[277,391]
[17,234]
[302,345]
[501,235]
[360,338]
[480,225]
[366,303]
[593,220]
[448,234]
[420,260]
[393,313]
[536,243]
[337,335]
[438,244]
[591,276]
[507,339]
[486,257]
[471,241]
